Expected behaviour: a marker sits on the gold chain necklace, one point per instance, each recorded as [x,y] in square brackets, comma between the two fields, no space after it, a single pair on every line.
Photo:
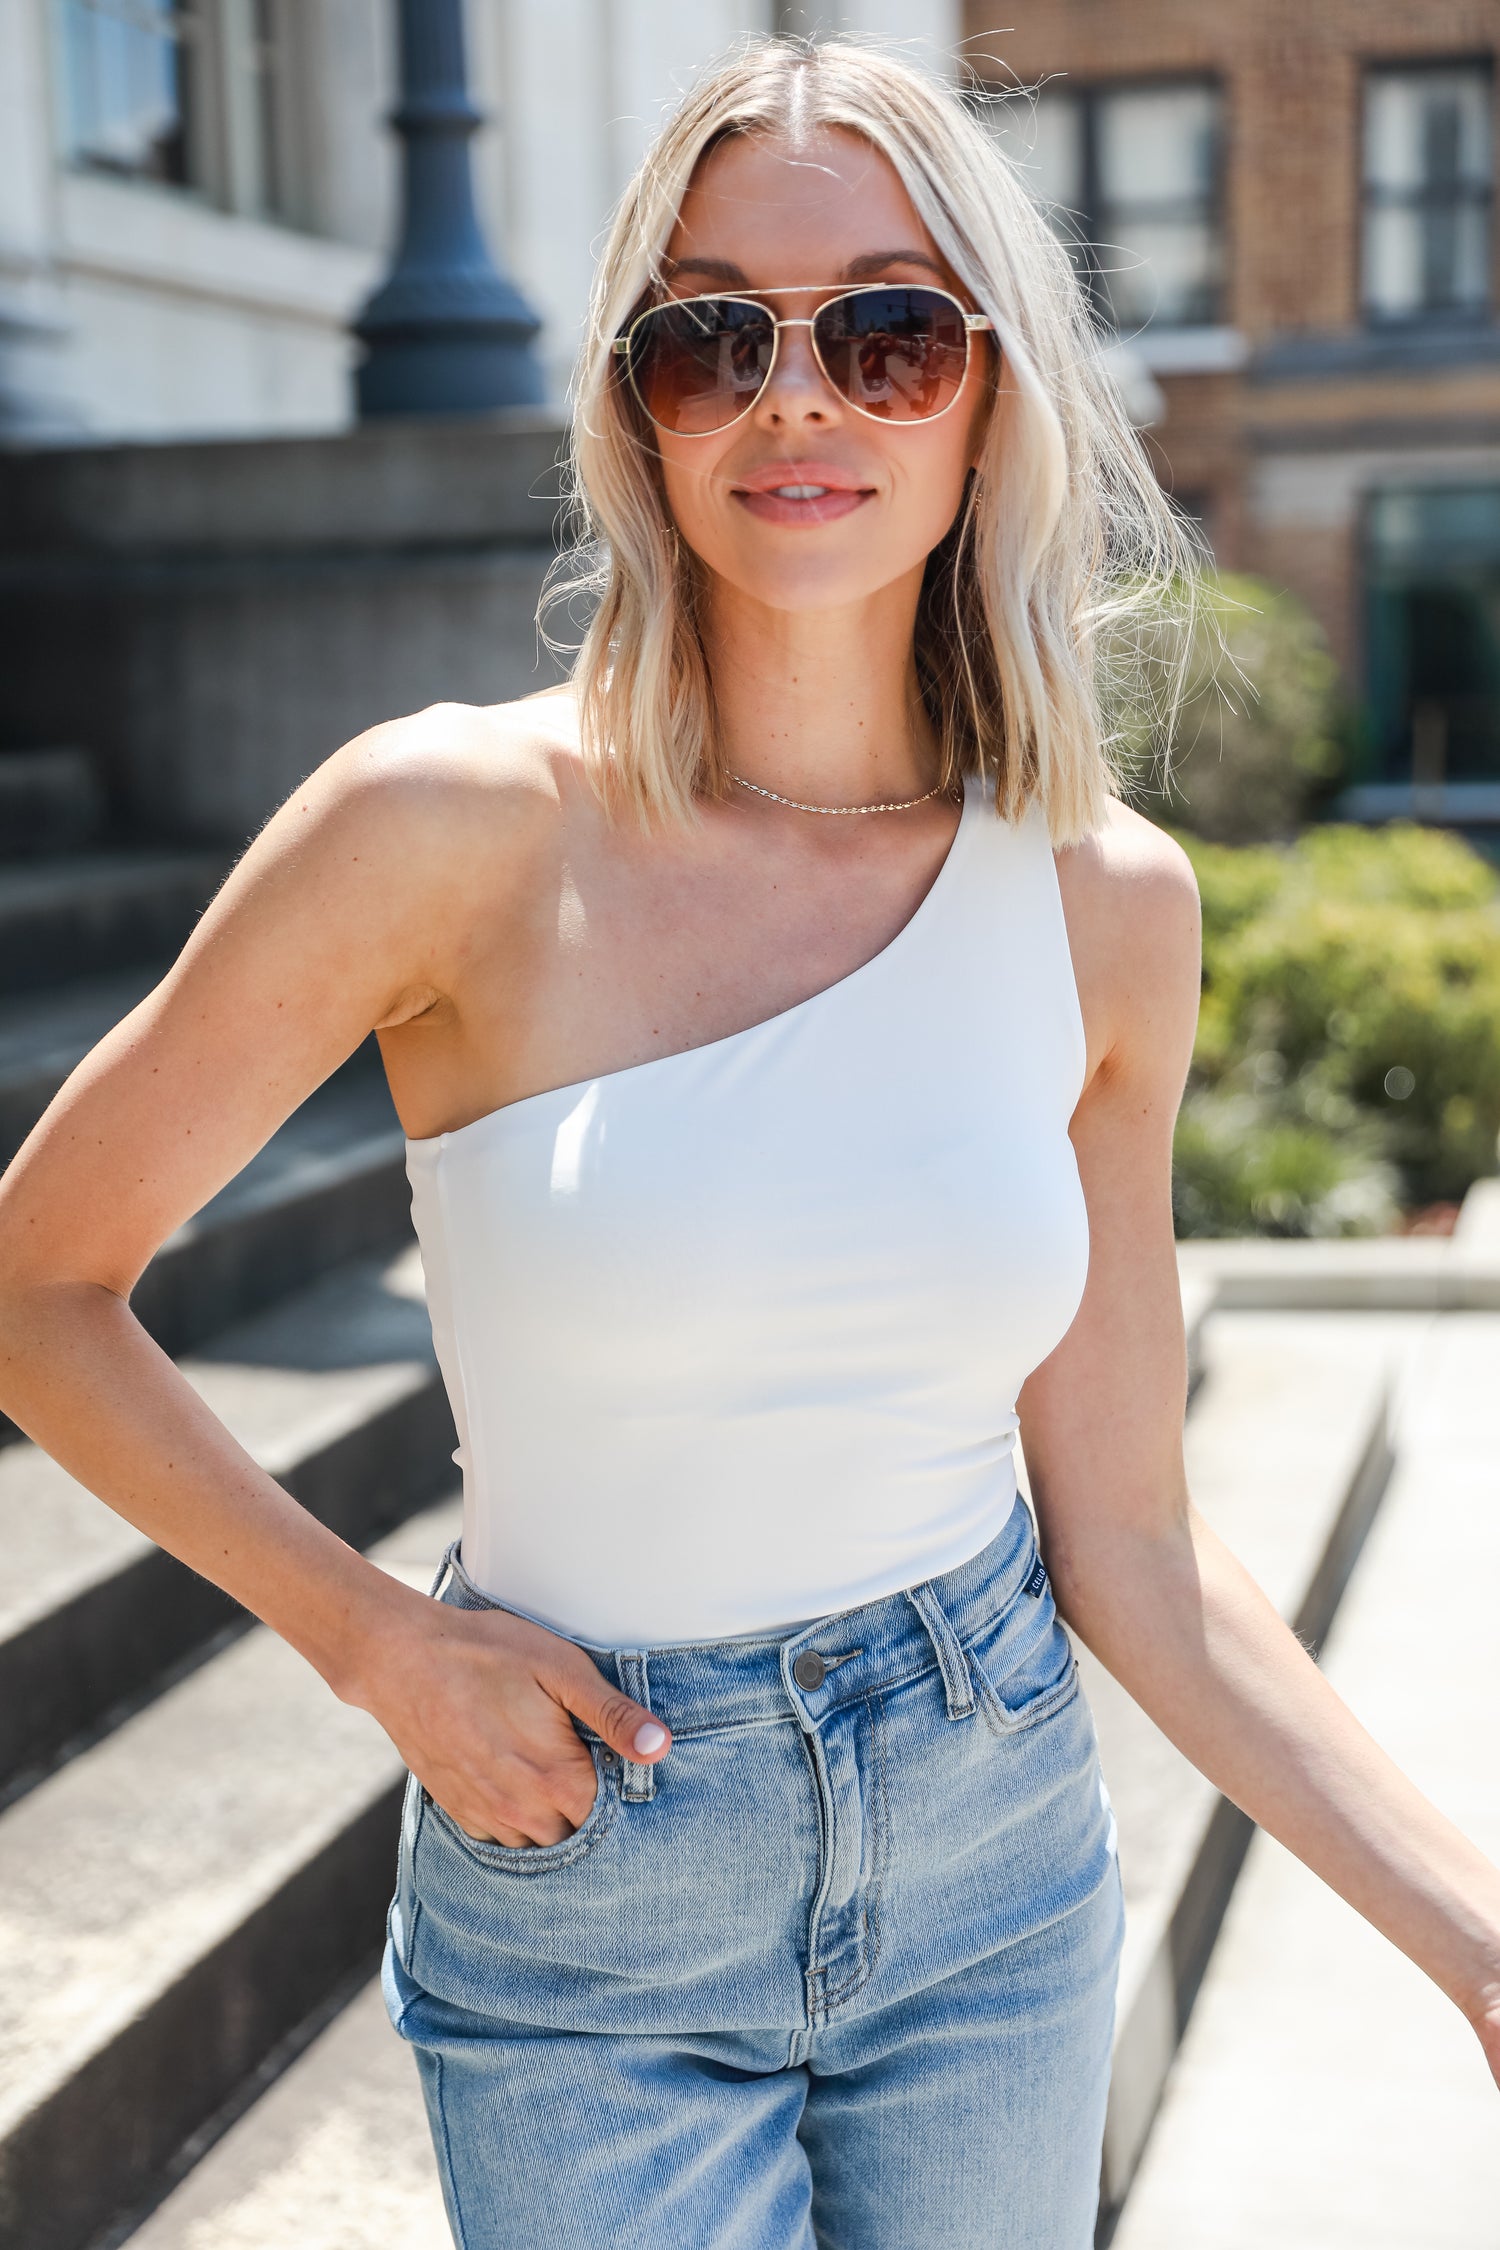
[905,804]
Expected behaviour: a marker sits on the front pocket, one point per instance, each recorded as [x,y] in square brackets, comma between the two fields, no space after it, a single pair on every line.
[1023,1664]
[533,1859]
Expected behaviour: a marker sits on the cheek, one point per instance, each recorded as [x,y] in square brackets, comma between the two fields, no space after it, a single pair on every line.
[696,498]
[931,487]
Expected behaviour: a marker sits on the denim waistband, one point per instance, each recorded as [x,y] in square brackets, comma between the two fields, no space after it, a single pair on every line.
[698,1686]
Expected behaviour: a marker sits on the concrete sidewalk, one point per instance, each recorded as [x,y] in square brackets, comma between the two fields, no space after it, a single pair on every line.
[1327,2096]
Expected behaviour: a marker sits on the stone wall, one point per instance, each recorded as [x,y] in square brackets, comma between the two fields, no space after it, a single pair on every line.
[213,620]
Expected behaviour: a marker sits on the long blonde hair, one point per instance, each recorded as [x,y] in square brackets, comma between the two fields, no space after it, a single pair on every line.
[1063,550]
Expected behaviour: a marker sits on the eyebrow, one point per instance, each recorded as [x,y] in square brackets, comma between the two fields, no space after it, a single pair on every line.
[870,261]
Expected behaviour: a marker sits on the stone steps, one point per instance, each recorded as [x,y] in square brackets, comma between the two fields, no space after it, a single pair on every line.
[50,801]
[45,1034]
[1326,2093]
[196,1839]
[329,1185]
[86,914]
[335,1391]
[1288,1450]
[340,2141]
[1374,1273]
[185,1893]
[334,2155]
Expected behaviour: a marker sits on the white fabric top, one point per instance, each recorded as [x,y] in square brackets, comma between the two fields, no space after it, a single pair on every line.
[733,1337]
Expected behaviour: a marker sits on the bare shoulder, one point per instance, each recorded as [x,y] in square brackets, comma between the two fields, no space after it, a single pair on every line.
[445,766]
[1129,867]
[444,795]
[412,838]
[1131,902]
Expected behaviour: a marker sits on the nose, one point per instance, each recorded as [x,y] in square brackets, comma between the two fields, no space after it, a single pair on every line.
[798,390]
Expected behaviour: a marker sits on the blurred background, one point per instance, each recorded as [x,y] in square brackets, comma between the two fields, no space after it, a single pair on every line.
[290,294]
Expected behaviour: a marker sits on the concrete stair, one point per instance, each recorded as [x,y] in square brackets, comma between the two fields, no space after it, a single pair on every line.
[330,1184]
[44,1033]
[1288,1449]
[1326,2093]
[50,801]
[196,1839]
[333,2156]
[87,914]
[188,1890]
[334,1391]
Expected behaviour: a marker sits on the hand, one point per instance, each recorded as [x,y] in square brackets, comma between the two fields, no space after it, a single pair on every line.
[478,1703]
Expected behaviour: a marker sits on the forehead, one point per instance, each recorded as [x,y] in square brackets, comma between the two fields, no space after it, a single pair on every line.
[808,212]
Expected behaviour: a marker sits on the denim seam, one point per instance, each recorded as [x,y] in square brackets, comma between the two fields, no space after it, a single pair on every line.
[1003,1722]
[815,1971]
[534,1860]
[710,1731]
[869,1920]
[452,2177]
[416,1903]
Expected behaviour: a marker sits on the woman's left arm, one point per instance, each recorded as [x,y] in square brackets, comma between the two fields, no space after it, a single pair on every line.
[1137,1572]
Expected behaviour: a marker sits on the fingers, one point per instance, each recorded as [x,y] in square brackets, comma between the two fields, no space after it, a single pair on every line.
[501,1753]
[525,1804]
[627,1726]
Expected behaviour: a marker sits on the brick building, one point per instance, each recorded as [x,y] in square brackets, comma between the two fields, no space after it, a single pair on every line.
[1288,207]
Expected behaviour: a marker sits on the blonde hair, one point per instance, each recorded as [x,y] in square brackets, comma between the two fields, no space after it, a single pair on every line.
[1064,549]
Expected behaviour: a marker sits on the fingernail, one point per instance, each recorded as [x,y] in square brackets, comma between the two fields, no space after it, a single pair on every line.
[650,1737]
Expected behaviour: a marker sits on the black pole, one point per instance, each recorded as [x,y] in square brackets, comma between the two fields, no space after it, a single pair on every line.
[445,332]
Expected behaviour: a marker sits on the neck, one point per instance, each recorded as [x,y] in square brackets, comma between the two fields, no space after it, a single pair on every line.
[822,704]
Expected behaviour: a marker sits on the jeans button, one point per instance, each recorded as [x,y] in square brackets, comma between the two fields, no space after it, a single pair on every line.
[809,1670]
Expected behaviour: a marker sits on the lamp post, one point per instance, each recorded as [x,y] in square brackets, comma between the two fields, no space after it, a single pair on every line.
[445,333]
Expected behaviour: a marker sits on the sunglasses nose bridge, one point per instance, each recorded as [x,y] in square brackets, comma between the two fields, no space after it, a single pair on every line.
[799,366]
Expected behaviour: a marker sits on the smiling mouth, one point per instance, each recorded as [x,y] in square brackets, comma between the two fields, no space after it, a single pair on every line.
[804,500]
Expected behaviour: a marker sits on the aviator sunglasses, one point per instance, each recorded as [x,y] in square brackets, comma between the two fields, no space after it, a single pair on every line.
[896,353]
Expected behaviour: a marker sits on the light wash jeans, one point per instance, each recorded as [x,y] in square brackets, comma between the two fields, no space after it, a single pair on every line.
[840,1971]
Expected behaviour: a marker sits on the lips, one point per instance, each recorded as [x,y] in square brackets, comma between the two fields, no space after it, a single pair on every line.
[800,492]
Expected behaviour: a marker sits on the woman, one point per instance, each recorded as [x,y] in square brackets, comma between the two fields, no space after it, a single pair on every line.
[787,1021]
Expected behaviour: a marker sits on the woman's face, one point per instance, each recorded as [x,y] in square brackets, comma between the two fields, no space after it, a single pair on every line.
[757,216]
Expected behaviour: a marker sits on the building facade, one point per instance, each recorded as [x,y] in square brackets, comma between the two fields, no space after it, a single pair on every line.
[1289,211]
[196,195]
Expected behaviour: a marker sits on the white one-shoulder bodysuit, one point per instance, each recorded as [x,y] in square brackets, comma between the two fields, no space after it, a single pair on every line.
[733,1337]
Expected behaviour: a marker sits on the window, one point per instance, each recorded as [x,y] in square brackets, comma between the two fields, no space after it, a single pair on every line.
[1432,634]
[129,73]
[1427,189]
[187,92]
[1131,179]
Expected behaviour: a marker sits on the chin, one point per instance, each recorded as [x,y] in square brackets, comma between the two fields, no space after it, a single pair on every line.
[807,581]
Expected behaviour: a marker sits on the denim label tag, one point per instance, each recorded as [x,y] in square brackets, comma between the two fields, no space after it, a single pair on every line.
[1038,1578]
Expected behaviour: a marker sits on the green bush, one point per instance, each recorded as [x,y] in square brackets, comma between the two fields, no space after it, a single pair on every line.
[1348,1054]
[1258,732]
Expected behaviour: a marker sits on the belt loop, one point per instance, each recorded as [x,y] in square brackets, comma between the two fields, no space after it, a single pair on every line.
[639,1782]
[449,1555]
[957,1684]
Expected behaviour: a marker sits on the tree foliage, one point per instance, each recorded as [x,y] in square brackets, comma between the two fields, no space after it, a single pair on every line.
[1348,1054]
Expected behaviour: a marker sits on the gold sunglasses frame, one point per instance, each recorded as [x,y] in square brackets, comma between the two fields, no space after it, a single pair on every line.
[974,324]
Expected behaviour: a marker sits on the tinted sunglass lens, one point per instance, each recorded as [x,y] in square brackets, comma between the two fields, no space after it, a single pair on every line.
[899,354]
[697,364]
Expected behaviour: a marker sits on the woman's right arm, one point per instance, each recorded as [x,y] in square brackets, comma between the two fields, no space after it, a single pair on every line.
[334,920]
